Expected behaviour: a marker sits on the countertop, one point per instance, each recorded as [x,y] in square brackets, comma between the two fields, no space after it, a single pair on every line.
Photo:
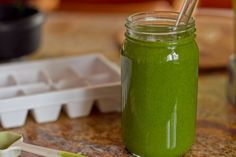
[99,135]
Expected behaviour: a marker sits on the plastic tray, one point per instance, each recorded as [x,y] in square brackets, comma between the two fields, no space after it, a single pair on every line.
[44,88]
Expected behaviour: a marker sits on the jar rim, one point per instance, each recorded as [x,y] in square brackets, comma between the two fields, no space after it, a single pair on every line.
[139,22]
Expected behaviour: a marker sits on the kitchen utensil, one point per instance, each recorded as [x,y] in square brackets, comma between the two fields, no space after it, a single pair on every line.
[11,145]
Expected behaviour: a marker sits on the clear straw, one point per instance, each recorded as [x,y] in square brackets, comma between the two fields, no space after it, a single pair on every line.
[186,10]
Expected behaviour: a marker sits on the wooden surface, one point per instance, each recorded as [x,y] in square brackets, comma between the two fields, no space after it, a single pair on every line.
[213,25]
[99,135]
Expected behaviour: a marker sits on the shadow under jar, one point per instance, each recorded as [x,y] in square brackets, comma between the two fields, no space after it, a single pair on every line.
[159,66]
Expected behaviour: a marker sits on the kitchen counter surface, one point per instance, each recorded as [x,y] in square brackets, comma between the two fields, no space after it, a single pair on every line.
[99,135]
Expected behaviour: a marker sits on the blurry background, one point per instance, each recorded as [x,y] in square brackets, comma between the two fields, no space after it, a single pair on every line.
[119,5]
[81,26]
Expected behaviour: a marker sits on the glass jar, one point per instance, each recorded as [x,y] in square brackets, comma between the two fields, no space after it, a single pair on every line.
[159,67]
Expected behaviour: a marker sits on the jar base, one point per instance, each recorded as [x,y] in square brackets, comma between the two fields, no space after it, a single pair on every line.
[131,154]
[134,155]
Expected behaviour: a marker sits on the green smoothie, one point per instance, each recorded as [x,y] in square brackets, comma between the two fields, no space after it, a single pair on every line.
[159,92]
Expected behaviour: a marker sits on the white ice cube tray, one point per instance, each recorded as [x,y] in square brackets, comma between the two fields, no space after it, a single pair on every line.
[43,88]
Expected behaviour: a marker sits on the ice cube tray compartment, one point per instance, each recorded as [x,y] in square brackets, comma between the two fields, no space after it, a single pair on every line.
[93,66]
[65,72]
[46,114]
[7,80]
[109,104]
[71,83]
[102,79]
[44,88]
[13,118]
[79,108]
[36,88]
[10,93]
[29,77]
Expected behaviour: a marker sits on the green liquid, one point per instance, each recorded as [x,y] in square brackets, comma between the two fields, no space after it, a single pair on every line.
[159,96]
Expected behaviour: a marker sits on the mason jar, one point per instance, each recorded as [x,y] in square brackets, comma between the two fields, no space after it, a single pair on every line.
[159,85]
